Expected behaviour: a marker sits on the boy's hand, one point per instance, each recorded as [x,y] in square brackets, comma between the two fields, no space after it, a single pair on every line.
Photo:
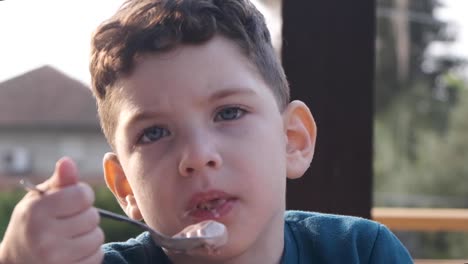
[59,226]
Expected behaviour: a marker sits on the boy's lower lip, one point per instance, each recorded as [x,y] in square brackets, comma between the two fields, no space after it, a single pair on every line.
[216,214]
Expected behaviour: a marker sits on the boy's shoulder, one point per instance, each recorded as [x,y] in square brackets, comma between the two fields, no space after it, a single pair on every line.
[324,228]
[316,222]
[329,238]
[135,250]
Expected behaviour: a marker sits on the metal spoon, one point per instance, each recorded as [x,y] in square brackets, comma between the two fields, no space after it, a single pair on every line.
[208,234]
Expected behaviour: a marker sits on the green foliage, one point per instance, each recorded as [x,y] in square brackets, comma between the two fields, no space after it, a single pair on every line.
[412,157]
[114,230]
[8,200]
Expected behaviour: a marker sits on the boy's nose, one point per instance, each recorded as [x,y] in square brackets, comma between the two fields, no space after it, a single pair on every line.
[197,157]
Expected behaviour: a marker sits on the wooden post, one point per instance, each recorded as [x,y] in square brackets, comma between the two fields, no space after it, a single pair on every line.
[328,56]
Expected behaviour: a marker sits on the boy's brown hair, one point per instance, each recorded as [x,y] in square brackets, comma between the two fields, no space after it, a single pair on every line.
[148,26]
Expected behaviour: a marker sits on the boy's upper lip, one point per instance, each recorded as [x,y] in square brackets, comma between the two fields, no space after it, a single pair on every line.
[202,197]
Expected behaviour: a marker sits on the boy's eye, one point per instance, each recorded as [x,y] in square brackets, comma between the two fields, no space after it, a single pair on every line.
[229,113]
[152,134]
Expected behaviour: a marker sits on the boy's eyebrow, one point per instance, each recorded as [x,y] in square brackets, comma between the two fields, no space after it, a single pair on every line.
[231,91]
[138,116]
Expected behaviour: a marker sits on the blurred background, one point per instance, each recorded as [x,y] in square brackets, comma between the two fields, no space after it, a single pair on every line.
[421,118]
[420,103]
[421,115]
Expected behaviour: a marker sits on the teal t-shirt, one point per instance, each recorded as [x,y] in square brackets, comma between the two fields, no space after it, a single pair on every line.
[308,238]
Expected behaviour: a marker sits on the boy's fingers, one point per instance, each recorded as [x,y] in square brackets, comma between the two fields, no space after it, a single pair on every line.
[68,201]
[65,174]
[85,245]
[80,224]
[75,250]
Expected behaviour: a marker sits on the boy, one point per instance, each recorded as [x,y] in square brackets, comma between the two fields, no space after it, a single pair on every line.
[196,107]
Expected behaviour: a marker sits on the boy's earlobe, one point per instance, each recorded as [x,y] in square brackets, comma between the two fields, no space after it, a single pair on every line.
[301,133]
[118,184]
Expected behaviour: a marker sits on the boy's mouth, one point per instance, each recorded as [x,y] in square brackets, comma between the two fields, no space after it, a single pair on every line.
[210,205]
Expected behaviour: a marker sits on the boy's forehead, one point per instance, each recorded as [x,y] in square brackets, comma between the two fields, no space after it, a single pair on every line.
[215,65]
[202,53]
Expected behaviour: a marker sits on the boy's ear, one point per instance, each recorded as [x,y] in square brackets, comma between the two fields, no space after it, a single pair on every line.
[118,184]
[301,132]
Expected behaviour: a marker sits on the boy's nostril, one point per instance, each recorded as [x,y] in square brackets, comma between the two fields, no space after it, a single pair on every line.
[189,167]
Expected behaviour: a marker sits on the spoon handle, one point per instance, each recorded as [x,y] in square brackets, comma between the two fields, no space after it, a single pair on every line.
[104,213]
[121,218]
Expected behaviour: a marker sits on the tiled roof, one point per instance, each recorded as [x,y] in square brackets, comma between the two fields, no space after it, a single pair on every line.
[46,97]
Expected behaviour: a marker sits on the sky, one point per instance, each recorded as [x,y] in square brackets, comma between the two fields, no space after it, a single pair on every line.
[455,13]
[53,32]
[57,33]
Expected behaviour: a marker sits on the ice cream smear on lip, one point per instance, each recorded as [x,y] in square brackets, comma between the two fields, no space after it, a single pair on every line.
[210,206]
[208,209]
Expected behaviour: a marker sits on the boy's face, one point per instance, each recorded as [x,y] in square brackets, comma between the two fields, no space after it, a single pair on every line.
[200,136]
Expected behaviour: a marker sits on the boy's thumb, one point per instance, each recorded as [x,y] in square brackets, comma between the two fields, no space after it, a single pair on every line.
[65,174]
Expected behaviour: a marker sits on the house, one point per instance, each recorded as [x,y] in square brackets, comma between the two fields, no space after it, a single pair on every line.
[44,115]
